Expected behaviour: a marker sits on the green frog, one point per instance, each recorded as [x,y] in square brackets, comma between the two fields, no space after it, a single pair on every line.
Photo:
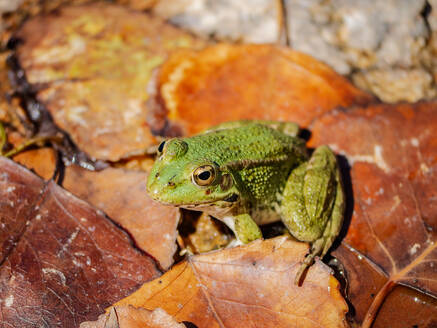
[249,173]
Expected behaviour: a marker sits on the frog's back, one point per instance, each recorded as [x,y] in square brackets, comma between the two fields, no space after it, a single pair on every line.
[251,142]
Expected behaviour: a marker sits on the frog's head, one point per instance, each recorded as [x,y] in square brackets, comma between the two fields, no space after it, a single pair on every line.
[182,177]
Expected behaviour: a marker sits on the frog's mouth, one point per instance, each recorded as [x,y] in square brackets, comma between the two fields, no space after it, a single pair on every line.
[225,202]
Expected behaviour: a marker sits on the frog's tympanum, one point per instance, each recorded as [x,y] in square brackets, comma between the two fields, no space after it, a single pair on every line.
[248,173]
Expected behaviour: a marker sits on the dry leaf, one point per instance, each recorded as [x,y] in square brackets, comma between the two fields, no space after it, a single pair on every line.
[121,194]
[63,262]
[247,286]
[93,63]
[196,90]
[392,151]
[92,70]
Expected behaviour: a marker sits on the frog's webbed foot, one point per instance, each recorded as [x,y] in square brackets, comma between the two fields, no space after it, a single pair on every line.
[313,204]
[316,249]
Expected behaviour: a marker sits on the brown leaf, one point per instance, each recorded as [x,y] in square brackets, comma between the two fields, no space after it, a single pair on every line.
[63,262]
[392,151]
[19,191]
[121,194]
[130,317]
[94,62]
[247,286]
[196,90]
[404,307]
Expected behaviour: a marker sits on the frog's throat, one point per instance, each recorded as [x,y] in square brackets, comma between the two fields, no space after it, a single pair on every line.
[213,209]
[217,211]
[206,204]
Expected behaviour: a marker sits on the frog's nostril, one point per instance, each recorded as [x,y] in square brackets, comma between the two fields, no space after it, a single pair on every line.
[171,184]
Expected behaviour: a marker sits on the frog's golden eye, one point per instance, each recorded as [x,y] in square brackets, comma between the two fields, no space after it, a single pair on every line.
[161,147]
[204,175]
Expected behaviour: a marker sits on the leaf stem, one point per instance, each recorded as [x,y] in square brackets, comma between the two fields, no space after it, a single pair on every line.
[376,304]
[30,142]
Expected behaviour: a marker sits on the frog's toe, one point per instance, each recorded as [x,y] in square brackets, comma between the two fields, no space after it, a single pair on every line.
[316,250]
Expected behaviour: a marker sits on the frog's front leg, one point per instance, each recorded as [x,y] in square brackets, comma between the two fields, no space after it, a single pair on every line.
[313,204]
[244,228]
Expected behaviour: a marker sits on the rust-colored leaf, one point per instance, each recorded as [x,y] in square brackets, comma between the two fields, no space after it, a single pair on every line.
[130,317]
[121,195]
[92,64]
[196,90]
[392,151]
[247,286]
[63,262]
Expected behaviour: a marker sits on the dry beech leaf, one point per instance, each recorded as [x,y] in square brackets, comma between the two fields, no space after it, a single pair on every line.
[130,317]
[246,286]
[63,262]
[94,62]
[195,90]
[121,194]
[391,239]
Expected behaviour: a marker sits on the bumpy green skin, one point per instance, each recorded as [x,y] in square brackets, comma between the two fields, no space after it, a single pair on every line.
[262,174]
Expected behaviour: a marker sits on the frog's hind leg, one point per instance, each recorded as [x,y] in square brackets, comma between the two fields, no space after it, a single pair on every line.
[313,204]
[323,244]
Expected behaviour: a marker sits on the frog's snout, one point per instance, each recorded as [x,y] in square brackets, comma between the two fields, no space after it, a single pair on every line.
[157,187]
[152,186]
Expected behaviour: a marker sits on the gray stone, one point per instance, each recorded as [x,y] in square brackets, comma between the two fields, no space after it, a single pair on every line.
[254,21]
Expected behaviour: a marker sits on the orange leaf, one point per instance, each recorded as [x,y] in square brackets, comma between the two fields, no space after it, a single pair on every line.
[246,286]
[196,90]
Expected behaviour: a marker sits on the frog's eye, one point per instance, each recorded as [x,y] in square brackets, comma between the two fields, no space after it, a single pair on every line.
[204,175]
[161,147]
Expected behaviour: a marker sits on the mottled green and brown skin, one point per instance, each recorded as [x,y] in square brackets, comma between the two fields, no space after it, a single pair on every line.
[248,173]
